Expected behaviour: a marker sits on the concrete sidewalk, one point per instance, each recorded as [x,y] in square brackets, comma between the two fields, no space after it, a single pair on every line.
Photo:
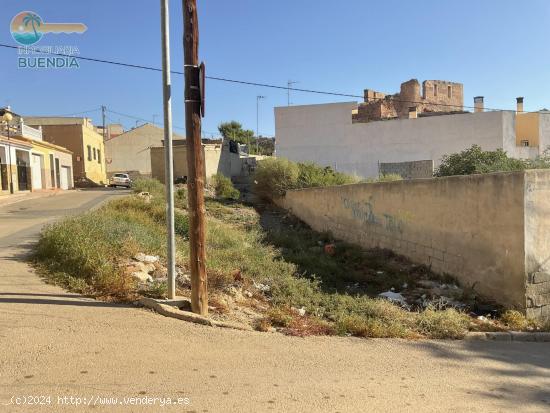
[59,344]
[27,196]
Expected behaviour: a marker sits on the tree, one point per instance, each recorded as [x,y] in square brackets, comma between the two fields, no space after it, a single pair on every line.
[234,131]
[266,146]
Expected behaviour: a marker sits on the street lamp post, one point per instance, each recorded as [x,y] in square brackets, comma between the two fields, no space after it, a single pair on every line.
[258,120]
[168,150]
[7,117]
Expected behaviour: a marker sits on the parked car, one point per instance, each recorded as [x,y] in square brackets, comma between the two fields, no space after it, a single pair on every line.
[120,180]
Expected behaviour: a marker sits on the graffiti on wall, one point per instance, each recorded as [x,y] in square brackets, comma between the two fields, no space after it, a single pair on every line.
[363,211]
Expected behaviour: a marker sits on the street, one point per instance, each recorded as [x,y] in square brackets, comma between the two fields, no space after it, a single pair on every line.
[58,344]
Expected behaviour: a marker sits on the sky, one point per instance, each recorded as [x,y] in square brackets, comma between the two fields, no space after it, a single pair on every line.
[496,48]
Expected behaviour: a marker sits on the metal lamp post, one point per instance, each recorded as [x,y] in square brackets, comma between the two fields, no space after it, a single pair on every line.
[258,120]
[168,150]
[7,117]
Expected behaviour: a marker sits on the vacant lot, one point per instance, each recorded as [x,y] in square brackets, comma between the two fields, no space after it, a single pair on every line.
[265,268]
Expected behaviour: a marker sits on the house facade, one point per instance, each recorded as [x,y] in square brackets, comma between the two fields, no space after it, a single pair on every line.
[80,137]
[28,163]
[219,158]
[331,135]
[130,152]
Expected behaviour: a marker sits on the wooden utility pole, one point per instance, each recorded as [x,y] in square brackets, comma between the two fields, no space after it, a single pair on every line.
[195,161]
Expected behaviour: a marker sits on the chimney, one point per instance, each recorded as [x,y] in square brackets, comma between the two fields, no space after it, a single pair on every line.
[413,113]
[478,104]
[366,95]
[519,104]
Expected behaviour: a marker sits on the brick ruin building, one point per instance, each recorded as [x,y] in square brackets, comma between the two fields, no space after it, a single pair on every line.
[436,97]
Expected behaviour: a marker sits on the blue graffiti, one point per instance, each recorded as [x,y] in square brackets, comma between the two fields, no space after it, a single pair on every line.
[364,212]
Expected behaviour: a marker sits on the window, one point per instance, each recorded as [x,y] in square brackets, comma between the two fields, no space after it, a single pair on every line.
[95,155]
[525,142]
[435,90]
[98,156]
[449,91]
[89,153]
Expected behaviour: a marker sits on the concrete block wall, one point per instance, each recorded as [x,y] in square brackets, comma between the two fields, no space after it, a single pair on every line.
[409,170]
[489,231]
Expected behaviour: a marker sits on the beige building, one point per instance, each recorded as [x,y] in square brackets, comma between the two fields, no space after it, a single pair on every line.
[28,163]
[217,159]
[80,137]
[211,155]
[130,152]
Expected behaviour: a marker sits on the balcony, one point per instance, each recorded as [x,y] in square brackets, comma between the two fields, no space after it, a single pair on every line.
[20,129]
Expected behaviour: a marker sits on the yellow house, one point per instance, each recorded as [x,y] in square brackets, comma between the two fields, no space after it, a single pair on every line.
[51,166]
[79,136]
[527,129]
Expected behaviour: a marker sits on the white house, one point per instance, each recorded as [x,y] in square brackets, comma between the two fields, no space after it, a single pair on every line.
[325,134]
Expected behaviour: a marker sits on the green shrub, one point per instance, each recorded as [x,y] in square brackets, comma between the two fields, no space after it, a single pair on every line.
[311,175]
[181,224]
[477,161]
[223,187]
[275,176]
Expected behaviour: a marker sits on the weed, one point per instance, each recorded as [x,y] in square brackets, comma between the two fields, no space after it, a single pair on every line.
[386,178]
[447,323]
[274,176]
[514,320]
[153,186]
[223,187]
[180,198]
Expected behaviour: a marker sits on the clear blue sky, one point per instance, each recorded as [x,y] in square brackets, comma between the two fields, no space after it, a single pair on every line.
[497,48]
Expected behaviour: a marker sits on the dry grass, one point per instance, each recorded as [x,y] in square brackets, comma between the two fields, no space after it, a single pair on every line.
[81,253]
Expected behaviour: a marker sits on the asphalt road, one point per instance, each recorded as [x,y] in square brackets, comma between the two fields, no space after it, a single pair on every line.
[56,345]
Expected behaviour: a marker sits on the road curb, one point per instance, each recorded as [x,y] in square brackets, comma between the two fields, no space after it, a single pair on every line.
[167,308]
[517,336]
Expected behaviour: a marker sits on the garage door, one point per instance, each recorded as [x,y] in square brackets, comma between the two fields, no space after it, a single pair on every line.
[36,171]
[65,177]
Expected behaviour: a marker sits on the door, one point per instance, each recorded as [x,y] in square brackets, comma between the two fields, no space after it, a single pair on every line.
[65,174]
[23,172]
[36,171]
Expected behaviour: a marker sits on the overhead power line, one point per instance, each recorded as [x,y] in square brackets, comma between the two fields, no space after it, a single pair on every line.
[81,113]
[258,84]
[150,121]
